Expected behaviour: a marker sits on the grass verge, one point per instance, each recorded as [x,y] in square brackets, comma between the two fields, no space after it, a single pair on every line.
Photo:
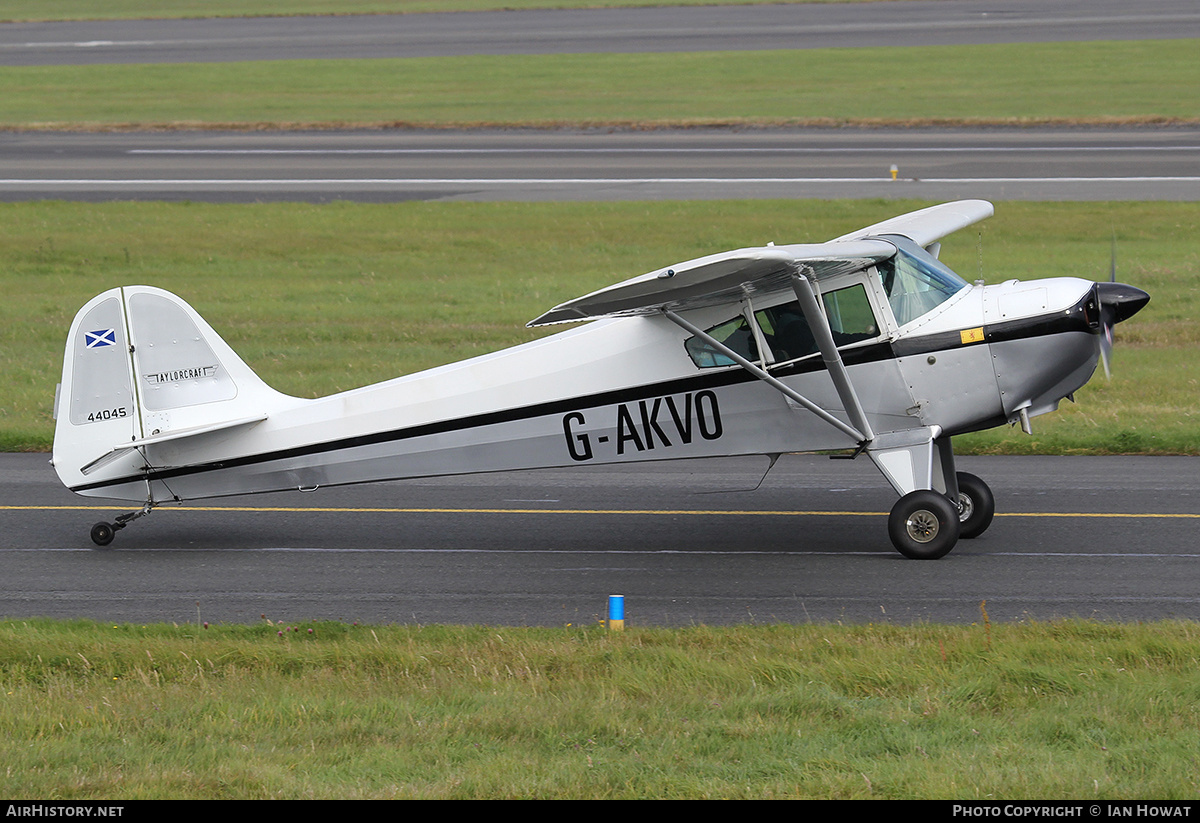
[1071,710]
[1027,83]
[164,9]
[323,298]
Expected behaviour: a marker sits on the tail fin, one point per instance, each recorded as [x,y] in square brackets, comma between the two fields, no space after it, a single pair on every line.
[142,367]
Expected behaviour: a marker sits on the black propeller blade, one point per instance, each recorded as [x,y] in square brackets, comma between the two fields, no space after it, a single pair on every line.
[1118,302]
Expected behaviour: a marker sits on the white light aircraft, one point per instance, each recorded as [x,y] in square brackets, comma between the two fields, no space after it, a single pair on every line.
[866,344]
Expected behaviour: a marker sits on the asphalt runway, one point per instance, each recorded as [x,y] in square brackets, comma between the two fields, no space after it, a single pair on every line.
[393,166]
[713,28]
[1106,538]
[686,542]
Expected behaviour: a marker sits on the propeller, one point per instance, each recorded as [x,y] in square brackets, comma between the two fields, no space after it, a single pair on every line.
[1117,302]
[1106,332]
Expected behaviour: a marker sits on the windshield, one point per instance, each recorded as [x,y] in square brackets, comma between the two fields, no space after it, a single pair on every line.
[915,281]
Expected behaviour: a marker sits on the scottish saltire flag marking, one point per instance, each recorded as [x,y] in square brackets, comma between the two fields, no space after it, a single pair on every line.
[100,339]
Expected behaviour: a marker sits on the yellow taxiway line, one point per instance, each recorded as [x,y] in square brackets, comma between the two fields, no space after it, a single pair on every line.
[672,512]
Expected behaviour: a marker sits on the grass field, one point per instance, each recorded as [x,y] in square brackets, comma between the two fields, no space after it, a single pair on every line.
[1113,83]
[320,299]
[162,9]
[1058,711]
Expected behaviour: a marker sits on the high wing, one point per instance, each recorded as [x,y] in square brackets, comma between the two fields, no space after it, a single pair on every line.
[730,276]
[719,278]
[928,225]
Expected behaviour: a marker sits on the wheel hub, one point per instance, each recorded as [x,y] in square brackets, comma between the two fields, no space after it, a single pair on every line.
[966,507]
[922,526]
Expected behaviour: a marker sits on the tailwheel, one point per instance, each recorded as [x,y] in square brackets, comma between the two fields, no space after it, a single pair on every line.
[924,525]
[976,505]
[103,534]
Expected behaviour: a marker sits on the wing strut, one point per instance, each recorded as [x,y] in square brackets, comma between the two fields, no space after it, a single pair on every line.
[819,324]
[773,382]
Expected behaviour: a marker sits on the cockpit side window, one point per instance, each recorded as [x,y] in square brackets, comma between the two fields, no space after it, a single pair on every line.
[786,331]
[915,281]
[735,333]
[850,316]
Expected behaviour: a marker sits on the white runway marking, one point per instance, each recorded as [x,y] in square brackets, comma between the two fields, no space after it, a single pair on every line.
[677,150]
[575,181]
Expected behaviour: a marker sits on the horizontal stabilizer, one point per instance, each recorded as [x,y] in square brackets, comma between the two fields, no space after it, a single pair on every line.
[196,431]
[160,437]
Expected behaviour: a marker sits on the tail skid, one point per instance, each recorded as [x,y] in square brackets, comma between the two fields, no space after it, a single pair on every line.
[143,368]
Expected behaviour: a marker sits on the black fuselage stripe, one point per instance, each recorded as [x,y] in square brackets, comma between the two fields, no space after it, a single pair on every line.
[626,395]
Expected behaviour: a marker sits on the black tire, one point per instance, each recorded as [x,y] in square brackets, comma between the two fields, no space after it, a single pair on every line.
[976,506]
[924,525]
[103,534]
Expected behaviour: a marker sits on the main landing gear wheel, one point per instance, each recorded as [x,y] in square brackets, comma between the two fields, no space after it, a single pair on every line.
[976,506]
[924,525]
